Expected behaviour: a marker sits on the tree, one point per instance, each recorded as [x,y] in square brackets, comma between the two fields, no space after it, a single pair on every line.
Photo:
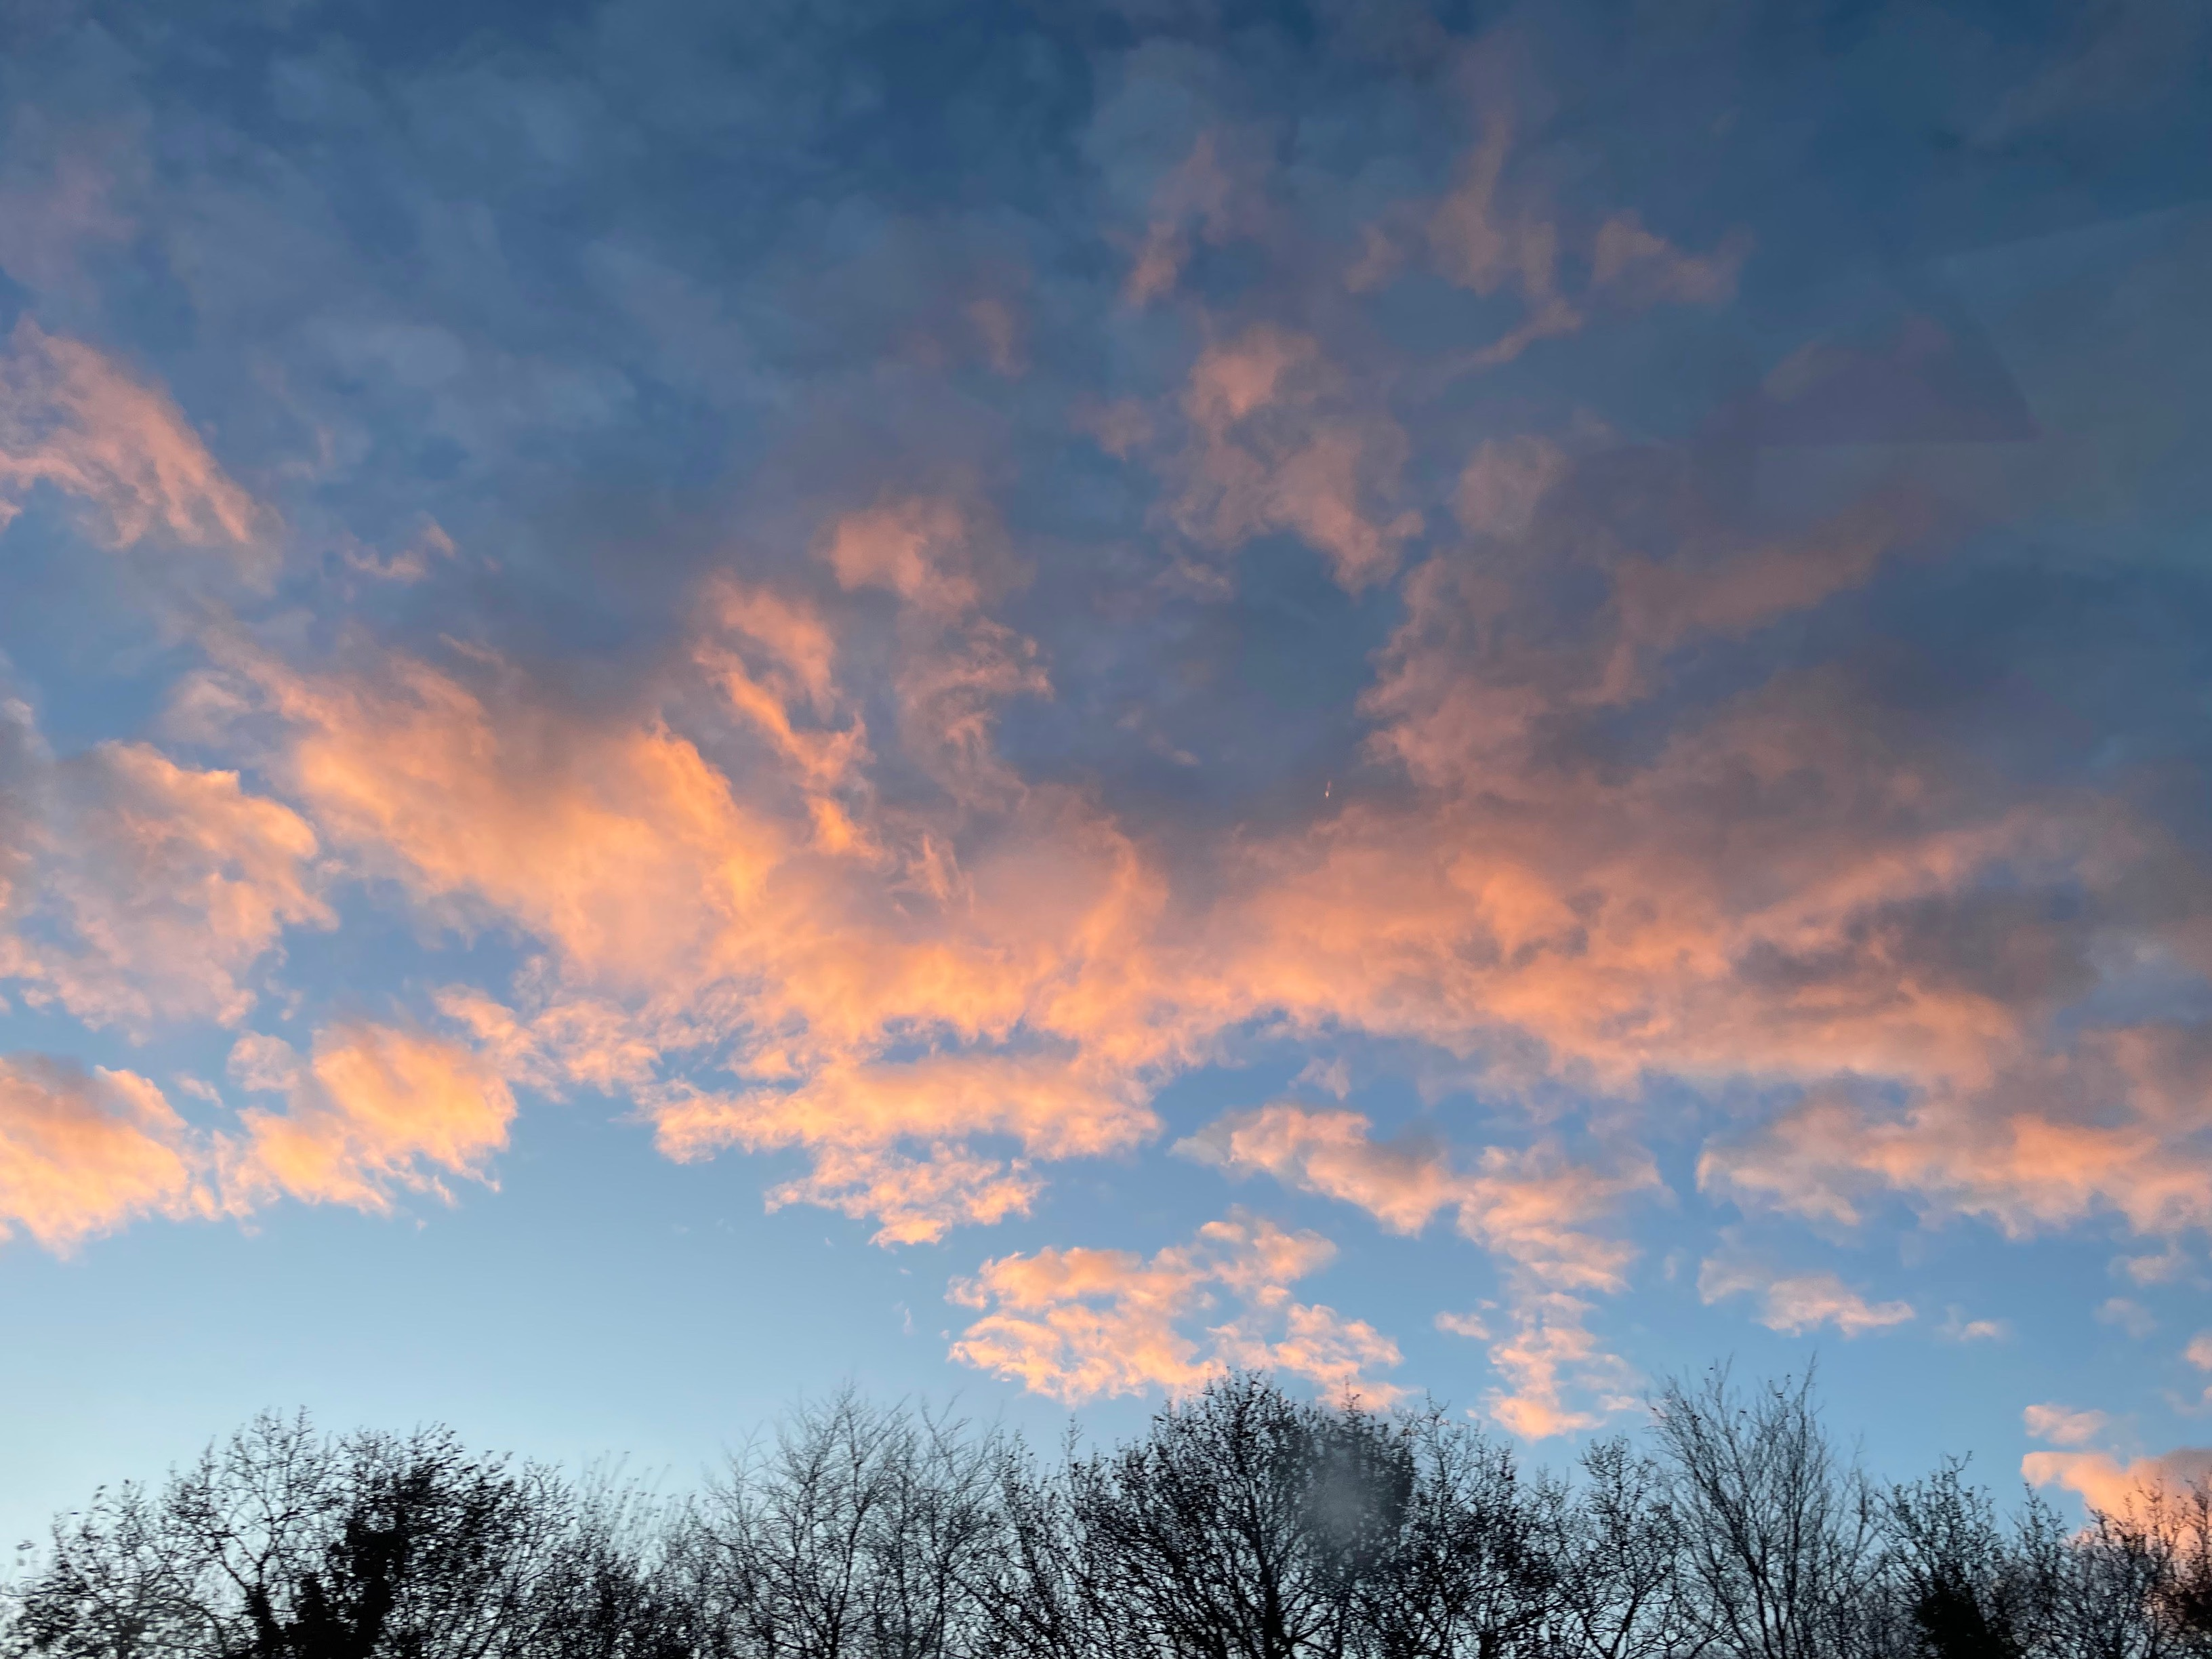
[861,1533]
[1619,1561]
[1245,1525]
[1476,1567]
[280,1544]
[1779,1540]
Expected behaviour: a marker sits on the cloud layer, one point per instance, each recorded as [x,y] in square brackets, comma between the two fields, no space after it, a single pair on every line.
[1390,563]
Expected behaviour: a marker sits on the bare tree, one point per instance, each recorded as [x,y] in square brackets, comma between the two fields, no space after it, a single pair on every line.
[280,1544]
[1619,1562]
[1780,1540]
[2136,1584]
[1964,1586]
[1245,1525]
[862,1534]
[1242,1524]
[1475,1567]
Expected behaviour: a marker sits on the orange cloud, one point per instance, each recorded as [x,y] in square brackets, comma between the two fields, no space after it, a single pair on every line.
[2112,1126]
[375,1110]
[1078,1324]
[852,1117]
[1549,1357]
[930,975]
[84,1152]
[954,667]
[158,889]
[678,920]
[72,419]
[618,845]
[378,1108]
[1739,903]
[2113,1487]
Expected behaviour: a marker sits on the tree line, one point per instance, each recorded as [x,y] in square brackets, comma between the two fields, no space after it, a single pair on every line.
[1244,1523]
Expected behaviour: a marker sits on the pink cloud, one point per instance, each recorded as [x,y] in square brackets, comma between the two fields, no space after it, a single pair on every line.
[1078,1324]
[2047,1142]
[853,1118]
[1798,1302]
[1648,270]
[1533,1209]
[84,1152]
[2064,1426]
[932,975]
[377,1109]
[1279,445]
[72,419]
[153,890]
[749,886]
[2114,1485]
[1215,191]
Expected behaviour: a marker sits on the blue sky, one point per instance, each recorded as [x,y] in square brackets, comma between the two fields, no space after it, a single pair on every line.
[1016,701]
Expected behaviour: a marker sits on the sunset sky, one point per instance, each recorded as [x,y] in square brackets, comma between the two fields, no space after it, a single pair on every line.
[1013,700]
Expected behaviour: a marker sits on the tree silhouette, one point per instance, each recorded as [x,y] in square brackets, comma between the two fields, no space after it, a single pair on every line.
[1244,1523]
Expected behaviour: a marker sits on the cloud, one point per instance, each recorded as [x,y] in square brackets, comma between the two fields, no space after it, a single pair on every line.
[2130,1317]
[1079,1324]
[1549,1359]
[84,1152]
[733,861]
[1214,190]
[1957,1327]
[2104,1481]
[851,1116]
[2062,1425]
[1504,481]
[1648,270]
[2052,1141]
[2113,1486]
[2170,1264]
[1533,1209]
[375,1110]
[72,419]
[265,1065]
[838,865]
[378,1108]
[616,846]
[1798,1302]
[1479,243]
[152,891]
[1279,442]
[1492,235]
[801,925]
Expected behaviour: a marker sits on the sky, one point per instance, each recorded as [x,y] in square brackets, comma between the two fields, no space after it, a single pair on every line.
[1012,701]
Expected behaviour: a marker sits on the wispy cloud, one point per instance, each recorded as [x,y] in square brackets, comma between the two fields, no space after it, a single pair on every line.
[72,420]
[1798,1302]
